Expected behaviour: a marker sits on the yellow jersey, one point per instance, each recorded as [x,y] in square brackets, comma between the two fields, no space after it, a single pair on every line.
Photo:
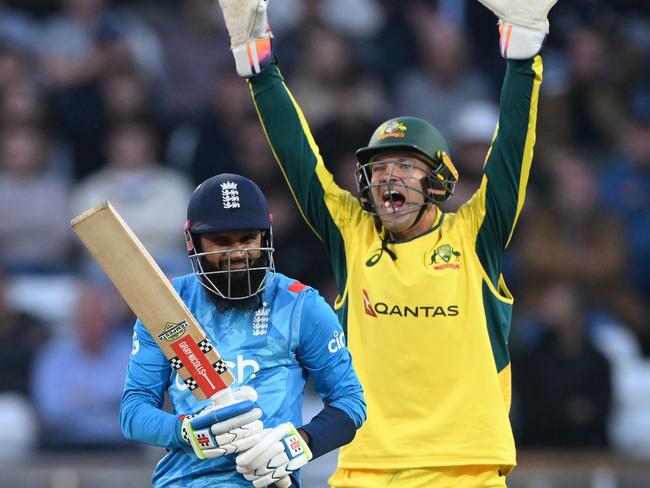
[427,328]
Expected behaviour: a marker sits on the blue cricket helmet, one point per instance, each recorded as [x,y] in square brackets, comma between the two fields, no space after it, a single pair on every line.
[227,202]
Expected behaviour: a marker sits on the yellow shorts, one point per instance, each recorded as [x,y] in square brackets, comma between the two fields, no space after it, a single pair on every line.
[439,477]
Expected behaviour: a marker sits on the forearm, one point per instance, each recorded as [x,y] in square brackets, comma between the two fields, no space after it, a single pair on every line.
[329,430]
[291,141]
[143,422]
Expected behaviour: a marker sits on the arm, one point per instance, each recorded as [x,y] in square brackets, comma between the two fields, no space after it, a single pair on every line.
[326,208]
[496,207]
[494,210]
[141,415]
[322,352]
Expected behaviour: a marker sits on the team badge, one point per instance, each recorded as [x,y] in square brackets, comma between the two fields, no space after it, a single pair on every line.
[393,129]
[261,320]
[229,194]
[445,256]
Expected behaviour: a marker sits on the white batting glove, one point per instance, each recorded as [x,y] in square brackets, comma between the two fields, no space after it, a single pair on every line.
[280,452]
[224,427]
[251,39]
[523,25]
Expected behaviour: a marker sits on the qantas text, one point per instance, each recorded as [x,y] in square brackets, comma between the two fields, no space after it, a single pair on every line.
[381,308]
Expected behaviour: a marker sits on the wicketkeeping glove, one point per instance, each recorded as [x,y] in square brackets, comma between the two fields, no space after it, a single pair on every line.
[251,39]
[280,452]
[523,25]
[225,427]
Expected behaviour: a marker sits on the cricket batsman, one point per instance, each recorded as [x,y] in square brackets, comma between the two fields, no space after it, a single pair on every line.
[421,294]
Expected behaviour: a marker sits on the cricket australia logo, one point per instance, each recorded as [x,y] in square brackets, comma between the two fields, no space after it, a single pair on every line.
[393,129]
[173,331]
[261,320]
[445,256]
[230,194]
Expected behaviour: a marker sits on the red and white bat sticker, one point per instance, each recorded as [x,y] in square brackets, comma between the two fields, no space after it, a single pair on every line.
[198,365]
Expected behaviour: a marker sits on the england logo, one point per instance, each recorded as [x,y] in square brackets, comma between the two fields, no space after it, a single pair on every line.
[261,320]
[230,194]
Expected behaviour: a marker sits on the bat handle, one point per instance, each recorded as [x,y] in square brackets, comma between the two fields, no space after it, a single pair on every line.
[283,482]
[223,397]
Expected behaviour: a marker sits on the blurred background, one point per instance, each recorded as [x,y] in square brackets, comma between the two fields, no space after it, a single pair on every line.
[138,101]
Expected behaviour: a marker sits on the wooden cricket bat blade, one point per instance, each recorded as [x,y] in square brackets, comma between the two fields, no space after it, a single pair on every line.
[153,299]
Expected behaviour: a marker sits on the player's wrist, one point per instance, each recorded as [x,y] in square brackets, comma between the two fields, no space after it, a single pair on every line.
[254,56]
[518,43]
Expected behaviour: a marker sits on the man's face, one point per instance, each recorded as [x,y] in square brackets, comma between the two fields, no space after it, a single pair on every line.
[237,267]
[230,248]
[396,189]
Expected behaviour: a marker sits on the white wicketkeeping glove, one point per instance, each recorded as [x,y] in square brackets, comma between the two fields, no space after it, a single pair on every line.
[225,427]
[251,39]
[523,25]
[280,452]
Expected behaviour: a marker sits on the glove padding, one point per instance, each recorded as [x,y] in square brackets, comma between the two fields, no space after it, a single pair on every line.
[523,25]
[225,427]
[280,452]
[251,39]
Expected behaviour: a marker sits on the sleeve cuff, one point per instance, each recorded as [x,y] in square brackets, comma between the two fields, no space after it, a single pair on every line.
[329,430]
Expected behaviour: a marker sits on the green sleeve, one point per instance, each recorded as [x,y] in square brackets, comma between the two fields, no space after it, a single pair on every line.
[325,207]
[503,189]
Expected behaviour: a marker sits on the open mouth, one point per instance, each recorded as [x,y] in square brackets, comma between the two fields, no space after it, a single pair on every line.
[393,199]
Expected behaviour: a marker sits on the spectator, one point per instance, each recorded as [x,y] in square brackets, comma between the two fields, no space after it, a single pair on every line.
[33,204]
[79,47]
[21,336]
[563,384]
[625,189]
[445,79]
[18,28]
[472,131]
[149,196]
[195,54]
[78,377]
[15,65]
[206,146]
[572,236]
[80,42]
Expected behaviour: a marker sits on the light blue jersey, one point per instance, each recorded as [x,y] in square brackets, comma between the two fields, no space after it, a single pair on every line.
[274,349]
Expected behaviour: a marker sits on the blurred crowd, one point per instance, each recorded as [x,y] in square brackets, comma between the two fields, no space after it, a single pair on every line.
[137,102]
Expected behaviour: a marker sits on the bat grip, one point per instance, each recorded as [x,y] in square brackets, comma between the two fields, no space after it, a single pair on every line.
[223,397]
[283,482]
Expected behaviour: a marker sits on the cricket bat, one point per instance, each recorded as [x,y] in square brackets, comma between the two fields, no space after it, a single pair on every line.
[154,301]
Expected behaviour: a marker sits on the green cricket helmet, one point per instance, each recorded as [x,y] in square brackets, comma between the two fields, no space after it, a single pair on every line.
[410,135]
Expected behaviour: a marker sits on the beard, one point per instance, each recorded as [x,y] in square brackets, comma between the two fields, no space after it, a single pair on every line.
[238,282]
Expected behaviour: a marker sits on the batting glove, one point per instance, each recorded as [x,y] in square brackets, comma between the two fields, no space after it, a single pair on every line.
[225,427]
[280,452]
[251,39]
[523,25]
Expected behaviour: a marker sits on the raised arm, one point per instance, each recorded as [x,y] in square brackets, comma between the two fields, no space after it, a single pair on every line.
[327,209]
[495,208]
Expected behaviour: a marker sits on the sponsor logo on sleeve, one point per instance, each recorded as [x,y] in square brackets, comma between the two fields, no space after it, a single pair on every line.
[337,343]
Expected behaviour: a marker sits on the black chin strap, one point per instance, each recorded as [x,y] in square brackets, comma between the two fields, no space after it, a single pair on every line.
[384,247]
[419,215]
